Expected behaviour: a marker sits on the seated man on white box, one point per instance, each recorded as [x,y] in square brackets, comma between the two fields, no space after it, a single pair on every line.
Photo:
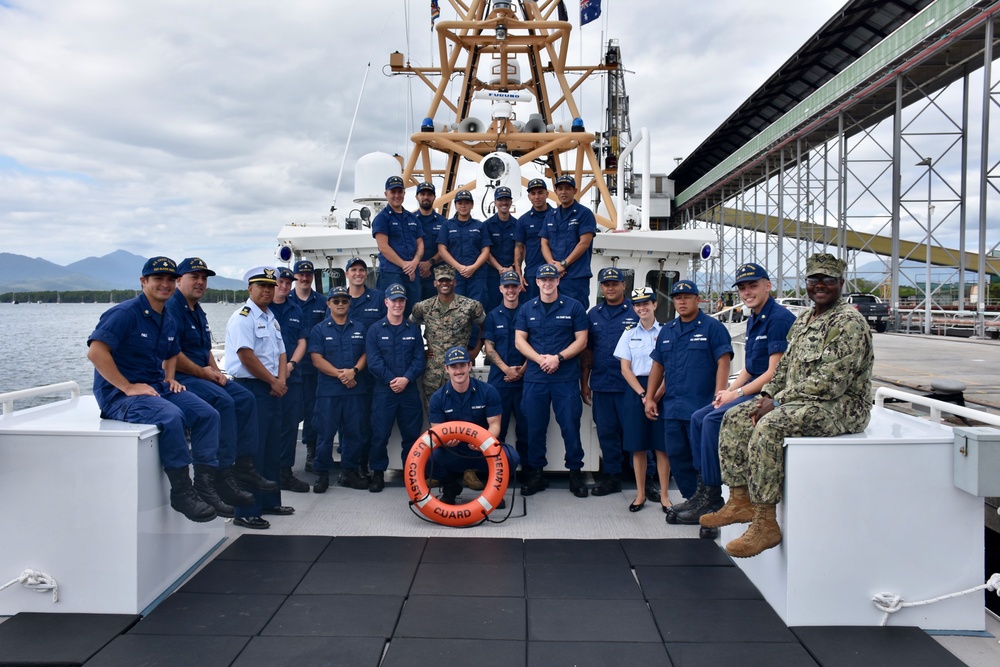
[821,387]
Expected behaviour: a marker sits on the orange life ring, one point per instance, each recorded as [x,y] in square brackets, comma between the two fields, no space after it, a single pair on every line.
[469,513]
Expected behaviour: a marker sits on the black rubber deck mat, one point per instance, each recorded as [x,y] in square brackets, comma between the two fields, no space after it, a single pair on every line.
[358,579]
[473,550]
[719,621]
[695,583]
[755,654]
[248,577]
[374,550]
[593,620]
[214,614]
[597,654]
[552,580]
[584,552]
[312,652]
[406,652]
[169,651]
[675,552]
[305,548]
[485,580]
[842,646]
[58,639]
[336,616]
[459,617]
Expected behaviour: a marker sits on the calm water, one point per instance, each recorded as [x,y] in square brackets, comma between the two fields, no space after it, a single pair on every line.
[47,343]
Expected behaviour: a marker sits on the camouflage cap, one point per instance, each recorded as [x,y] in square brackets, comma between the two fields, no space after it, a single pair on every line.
[826,264]
[444,271]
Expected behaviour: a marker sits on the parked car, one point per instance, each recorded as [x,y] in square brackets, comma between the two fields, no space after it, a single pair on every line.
[873,309]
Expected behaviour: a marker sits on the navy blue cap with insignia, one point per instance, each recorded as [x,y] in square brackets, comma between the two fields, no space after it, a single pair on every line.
[395,291]
[456,355]
[748,272]
[643,294]
[510,278]
[464,195]
[285,272]
[394,183]
[547,271]
[426,187]
[192,264]
[355,260]
[338,291]
[303,266]
[162,266]
[503,192]
[610,274]
[537,183]
[684,287]
[566,178]
[261,275]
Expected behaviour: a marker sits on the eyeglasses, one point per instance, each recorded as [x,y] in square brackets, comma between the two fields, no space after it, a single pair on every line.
[340,302]
[829,281]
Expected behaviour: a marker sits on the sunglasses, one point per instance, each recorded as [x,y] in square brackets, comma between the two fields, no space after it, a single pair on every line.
[829,281]
[340,302]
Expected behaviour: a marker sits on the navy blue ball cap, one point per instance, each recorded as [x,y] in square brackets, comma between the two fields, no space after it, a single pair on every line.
[394,182]
[262,275]
[547,271]
[684,287]
[510,278]
[610,274]
[643,294]
[303,266]
[748,272]
[355,260]
[192,264]
[338,291]
[395,291]
[503,192]
[285,272]
[426,187]
[537,183]
[464,195]
[566,178]
[456,355]
[162,266]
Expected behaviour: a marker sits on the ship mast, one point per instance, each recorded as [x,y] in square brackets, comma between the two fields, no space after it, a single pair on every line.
[493,33]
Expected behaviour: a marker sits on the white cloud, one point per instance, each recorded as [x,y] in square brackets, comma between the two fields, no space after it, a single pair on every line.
[182,127]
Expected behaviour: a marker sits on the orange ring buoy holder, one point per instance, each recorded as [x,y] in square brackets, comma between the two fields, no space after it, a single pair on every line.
[469,513]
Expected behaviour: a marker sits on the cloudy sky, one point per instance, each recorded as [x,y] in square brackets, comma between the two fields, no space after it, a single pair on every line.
[194,128]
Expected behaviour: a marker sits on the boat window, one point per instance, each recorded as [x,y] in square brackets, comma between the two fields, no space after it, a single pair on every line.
[662,282]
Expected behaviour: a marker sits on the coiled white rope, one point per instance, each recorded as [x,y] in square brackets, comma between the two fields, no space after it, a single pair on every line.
[38,582]
[890,603]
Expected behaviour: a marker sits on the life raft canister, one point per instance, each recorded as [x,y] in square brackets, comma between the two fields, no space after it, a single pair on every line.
[469,513]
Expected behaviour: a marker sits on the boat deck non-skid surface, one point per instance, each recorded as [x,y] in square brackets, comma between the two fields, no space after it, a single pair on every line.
[315,600]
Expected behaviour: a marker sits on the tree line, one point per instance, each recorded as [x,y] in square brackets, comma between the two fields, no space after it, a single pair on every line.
[109,296]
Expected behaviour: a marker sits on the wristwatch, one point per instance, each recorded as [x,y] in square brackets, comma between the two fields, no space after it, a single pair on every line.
[560,357]
[642,396]
[739,392]
[565,265]
[294,363]
[355,369]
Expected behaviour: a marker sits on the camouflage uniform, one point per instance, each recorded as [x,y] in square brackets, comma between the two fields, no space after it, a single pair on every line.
[445,326]
[821,387]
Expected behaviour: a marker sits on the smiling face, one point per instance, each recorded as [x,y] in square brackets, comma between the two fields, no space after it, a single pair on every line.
[548,288]
[192,285]
[338,306]
[566,194]
[613,291]
[463,209]
[511,294]
[395,198]
[824,290]
[503,206]
[459,375]
[356,275]
[395,308]
[158,288]
[754,293]
[304,281]
[444,286]
[645,310]
[283,289]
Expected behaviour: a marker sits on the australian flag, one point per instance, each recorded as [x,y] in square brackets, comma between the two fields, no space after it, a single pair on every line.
[436,12]
[589,11]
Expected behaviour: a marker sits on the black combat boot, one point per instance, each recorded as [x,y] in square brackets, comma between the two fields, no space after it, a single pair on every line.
[609,484]
[290,482]
[229,490]
[322,482]
[533,481]
[711,501]
[695,499]
[248,478]
[450,490]
[378,481]
[185,499]
[354,479]
[204,484]
[577,485]
[310,455]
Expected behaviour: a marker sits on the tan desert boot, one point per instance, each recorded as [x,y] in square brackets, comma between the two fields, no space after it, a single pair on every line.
[736,510]
[762,534]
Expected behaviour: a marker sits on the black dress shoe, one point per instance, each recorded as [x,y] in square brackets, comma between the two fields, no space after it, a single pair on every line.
[667,509]
[280,510]
[254,522]
[635,507]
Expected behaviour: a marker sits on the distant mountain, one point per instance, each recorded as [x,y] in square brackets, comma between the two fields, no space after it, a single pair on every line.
[117,270]
[913,273]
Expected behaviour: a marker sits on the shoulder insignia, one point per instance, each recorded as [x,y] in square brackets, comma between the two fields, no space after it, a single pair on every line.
[630,327]
[245,311]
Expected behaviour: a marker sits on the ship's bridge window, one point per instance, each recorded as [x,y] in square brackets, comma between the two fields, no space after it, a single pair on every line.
[662,282]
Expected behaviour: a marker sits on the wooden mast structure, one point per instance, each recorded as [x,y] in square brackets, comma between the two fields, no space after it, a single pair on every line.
[493,30]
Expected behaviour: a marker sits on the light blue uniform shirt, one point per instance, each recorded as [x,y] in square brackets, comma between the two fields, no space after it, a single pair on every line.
[636,344]
[250,327]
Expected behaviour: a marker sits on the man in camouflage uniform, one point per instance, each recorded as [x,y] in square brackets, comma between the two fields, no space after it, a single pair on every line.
[821,387]
[447,320]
